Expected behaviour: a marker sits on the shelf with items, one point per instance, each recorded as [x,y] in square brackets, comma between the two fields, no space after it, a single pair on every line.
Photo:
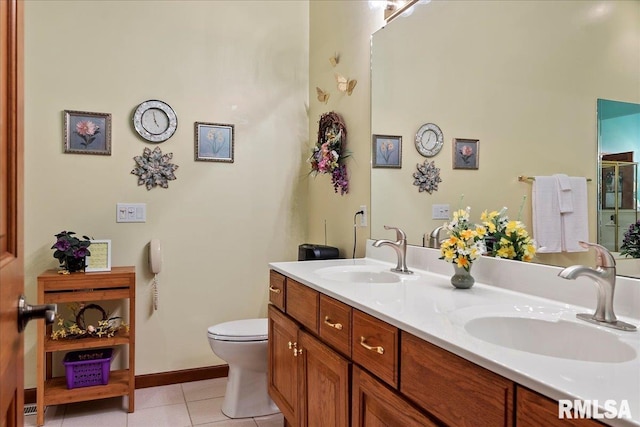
[54,288]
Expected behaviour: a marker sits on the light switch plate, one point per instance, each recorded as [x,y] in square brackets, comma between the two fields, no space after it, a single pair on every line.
[439,211]
[131,212]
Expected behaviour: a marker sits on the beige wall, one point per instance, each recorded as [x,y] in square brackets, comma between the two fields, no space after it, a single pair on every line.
[343,28]
[220,224]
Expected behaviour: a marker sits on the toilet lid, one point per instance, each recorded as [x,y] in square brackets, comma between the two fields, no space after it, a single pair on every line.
[241,330]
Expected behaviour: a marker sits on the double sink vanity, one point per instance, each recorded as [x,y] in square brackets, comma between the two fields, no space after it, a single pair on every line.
[352,343]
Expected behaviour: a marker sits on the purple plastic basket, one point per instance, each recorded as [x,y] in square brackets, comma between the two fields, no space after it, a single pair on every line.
[88,367]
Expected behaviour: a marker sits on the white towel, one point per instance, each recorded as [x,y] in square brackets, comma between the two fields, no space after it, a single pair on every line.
[575,225]
[565,196]
[547,224]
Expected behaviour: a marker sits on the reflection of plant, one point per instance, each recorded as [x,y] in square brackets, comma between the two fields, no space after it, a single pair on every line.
[328,154]
[88,131]
[631,242]
[69,246]
[465,242]
[108,326]
[466,152]
[386,149]
[510,238]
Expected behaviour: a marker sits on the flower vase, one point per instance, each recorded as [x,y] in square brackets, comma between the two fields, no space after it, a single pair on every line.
[462,279]
[72,264]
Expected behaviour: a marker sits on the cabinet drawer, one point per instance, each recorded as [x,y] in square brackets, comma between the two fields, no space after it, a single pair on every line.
[277,289]
[453,389]
[374,345]
[335,324]
[302,304]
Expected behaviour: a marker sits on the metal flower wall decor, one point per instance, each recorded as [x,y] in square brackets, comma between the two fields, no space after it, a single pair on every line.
[153,168]
[428,177]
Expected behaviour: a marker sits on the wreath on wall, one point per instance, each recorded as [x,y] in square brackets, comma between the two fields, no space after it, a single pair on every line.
[328,154]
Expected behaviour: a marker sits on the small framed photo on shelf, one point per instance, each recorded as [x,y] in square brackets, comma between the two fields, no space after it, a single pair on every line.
[213,142]
[87,133]
[100,258]
[386,151]
[465,153]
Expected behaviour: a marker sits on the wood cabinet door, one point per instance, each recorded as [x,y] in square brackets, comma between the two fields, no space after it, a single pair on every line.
[533,410]
[454,390]
[325,384]
[376,405]
[283,365]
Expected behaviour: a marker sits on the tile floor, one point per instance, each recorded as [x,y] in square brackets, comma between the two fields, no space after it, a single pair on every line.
[178,405]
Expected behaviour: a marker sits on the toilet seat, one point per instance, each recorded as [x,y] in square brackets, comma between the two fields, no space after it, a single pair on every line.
[240,330]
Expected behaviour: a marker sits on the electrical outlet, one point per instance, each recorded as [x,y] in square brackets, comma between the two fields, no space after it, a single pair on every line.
[363,217]
[439,211]
[131,212]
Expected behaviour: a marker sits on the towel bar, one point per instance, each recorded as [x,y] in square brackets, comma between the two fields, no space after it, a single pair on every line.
[524,178]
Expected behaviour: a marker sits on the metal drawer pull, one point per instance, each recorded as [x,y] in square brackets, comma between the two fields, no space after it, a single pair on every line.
[274,290]
[292,344]
[378,349]
[297,352]
[337,326]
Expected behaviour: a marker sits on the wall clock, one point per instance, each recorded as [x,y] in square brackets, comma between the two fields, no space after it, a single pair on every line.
[155,121]
[429,140]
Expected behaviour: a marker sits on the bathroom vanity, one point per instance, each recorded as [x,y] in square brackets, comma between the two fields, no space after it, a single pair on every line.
[351,343]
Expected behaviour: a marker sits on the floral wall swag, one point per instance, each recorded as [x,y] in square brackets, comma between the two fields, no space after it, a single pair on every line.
[328,155]
[153,168]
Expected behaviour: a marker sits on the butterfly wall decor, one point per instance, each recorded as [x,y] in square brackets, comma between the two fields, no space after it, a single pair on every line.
[322,95]
[344,84]
[334,60]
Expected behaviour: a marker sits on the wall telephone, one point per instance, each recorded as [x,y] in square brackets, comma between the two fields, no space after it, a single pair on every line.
[155,256]
[155,265]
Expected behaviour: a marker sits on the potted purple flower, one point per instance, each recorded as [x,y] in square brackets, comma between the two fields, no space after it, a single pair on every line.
[70,251]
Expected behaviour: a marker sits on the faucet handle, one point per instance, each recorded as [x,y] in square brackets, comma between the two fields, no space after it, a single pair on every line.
[604,259]
[400,235]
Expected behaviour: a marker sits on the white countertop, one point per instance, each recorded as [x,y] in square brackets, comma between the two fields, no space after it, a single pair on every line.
[427,306]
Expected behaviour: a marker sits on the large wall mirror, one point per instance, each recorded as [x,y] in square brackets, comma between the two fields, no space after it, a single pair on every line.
[489,71]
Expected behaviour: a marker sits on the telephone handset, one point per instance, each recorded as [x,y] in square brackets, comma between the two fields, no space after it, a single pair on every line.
[155,256]
[155,265]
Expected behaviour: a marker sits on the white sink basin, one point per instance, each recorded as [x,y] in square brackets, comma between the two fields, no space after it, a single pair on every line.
[358,274]
[552,337]
[549,330]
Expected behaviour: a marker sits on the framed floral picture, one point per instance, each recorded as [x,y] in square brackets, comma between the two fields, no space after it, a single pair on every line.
[87,133]
[213,142]
[465,153]
[386,151]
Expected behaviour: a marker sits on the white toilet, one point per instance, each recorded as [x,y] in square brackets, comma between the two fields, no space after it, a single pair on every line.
[243,345]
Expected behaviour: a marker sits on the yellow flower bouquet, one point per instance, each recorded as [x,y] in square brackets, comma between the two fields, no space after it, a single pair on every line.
[510,239]
[466,240]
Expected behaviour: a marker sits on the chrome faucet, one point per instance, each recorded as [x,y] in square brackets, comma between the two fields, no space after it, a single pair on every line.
[400,246]
[604,275]
[434,238]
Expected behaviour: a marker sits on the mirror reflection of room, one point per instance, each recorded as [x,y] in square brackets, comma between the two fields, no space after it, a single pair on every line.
[531,107]
[619,148]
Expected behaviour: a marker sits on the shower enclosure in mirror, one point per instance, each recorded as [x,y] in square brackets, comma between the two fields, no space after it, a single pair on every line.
[489,71]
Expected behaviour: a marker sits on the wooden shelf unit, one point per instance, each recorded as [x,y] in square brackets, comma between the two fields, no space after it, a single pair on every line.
[55,288]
